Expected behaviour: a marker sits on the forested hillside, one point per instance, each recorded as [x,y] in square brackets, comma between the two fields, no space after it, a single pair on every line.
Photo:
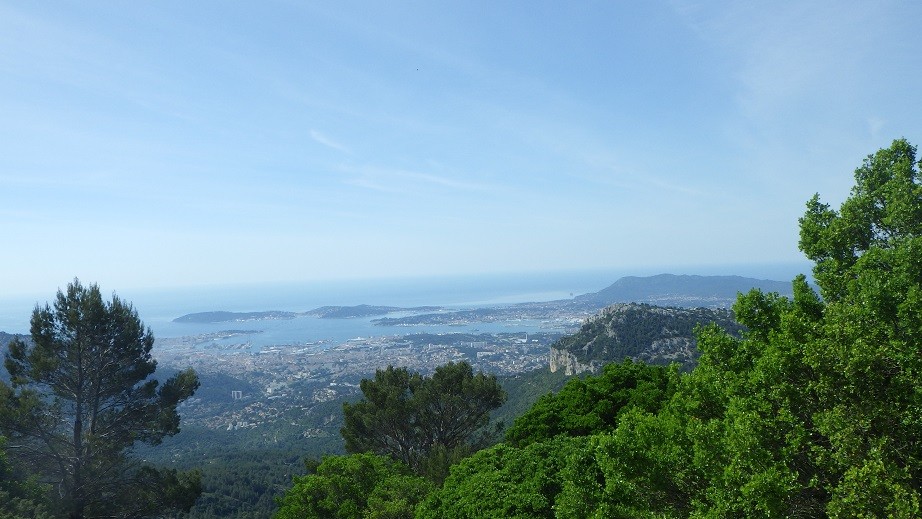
[245,470]
[656,335]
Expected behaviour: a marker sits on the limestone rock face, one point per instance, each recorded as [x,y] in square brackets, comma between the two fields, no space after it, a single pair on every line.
[566,361]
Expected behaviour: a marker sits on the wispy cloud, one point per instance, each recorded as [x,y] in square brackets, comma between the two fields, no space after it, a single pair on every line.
[328,142]
[392,180]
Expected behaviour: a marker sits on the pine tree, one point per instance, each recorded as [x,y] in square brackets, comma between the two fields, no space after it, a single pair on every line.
[81,396]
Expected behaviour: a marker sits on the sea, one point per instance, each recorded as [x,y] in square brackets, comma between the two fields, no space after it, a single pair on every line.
[158,307]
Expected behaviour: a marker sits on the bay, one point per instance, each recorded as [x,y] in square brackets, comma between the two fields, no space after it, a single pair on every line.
[159,307]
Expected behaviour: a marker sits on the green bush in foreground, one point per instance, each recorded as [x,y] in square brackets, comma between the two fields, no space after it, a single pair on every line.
[355,486]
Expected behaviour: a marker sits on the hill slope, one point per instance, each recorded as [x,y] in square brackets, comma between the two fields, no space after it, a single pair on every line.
[652,334]
[682,290]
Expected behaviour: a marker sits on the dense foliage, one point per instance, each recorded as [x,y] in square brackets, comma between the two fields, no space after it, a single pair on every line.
[424,422]
[524,389]
[355,486]
[504,481]
[594,404]
[80,397]
[864,349]
[243,480]
[19,497]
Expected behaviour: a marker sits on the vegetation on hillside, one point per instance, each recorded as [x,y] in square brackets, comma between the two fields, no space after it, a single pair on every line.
[356,486]
[594,404]
[20,496]
[656,335]
[425,422]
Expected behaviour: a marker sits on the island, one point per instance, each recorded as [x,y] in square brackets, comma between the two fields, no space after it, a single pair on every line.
[350,312]
[224,317]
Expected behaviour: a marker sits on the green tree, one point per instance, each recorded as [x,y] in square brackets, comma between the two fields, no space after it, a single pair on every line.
[425,422]
[594,404]
[356,486]
[867,361]
[748,413]
[19,498]
[560,450]
[504,481]
[734,439]
[815,411]
[80,397]
[628,473]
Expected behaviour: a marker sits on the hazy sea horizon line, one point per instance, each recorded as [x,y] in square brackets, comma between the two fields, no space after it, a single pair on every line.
[465,290]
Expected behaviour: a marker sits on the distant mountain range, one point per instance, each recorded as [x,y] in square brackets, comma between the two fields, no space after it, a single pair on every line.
[682,290]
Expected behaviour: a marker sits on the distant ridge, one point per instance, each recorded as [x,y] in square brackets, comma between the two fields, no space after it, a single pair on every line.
[349,312]
[223,317]
[682,290]
[324,312]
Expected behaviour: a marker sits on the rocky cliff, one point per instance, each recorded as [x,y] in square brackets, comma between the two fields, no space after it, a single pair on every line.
[563,360]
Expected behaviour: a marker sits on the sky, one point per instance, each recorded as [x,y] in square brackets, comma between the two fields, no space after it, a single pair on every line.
[173,143]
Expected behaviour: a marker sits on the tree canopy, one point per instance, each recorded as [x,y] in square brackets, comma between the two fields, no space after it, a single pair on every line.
[81,396]
[424,422]
[19,497]
[865,355]
[504,481]
[591,405]
[356,486]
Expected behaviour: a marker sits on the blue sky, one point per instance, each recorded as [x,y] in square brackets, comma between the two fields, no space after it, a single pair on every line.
[156,144]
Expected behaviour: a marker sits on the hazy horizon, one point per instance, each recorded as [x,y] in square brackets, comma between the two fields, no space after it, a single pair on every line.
[166,303]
